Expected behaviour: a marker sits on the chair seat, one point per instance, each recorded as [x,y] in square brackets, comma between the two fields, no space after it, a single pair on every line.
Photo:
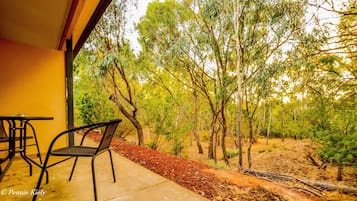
[75,151]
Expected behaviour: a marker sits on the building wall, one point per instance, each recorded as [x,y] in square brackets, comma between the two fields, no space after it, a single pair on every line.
[32,82]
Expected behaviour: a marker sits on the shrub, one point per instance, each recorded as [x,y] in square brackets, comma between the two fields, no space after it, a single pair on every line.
[219,164]
[154,145]
[232,153]
[177,147]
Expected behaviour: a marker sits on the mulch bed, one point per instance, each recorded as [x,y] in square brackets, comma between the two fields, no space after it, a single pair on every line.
[188,173]
[184,172]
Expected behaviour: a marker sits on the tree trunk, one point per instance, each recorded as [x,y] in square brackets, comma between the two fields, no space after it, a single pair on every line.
[264,117]
[211,137]
[250,122]
[139,131]
[238,13]
[215,145]
[269,123]
[282,126]
[224,133]
[195,123]
[339,172]
[131,118]
[318,186]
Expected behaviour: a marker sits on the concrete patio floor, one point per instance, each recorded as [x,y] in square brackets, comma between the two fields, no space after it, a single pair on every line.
[134,182]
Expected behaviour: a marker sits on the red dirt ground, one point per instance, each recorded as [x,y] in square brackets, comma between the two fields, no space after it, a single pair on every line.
[211,183]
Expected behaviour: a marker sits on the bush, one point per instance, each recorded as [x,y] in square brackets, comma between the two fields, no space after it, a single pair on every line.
[232,153]
[219,164]
[269,149]
[177,147]
[154,145]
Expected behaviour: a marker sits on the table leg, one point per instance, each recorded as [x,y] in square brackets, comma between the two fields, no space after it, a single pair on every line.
[11,149]
[23,125]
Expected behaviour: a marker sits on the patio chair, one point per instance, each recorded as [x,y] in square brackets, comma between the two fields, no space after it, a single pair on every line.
[19,147]
[81,150]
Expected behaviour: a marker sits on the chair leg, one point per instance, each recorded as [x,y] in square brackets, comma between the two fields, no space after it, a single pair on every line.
[38,185]
[74,166]
[93,178]
[37,147]
[111,161]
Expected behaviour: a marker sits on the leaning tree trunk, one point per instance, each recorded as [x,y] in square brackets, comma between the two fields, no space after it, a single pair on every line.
[131,118]
[139,130]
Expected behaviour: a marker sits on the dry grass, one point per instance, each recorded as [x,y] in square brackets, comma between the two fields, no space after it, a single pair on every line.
[288,157]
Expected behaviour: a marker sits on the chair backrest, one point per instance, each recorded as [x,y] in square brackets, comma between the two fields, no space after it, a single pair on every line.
[108,134]
[3,134]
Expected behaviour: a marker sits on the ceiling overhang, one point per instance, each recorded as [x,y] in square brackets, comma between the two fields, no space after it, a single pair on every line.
[48,24]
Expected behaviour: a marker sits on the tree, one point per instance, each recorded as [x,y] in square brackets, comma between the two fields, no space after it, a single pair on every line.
[237,21]
[116,62]
[270,60]
[91,103]
[330,84]
[267,28]
[200,43]
[186,51]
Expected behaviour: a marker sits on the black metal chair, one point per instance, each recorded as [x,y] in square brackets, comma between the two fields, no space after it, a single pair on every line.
[76,151]
[4,139]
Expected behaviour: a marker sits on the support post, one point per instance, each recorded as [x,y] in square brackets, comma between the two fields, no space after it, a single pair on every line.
[69,88]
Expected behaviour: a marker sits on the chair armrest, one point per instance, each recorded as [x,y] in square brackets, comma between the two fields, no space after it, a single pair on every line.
[69,131]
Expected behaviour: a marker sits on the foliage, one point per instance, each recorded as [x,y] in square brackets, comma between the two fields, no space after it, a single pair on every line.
[292,86]
[337,132]
[219,165]
[178,146]
[91,103]
[86,107]
[114,63]
[231,153]
[339,149]
[153,144]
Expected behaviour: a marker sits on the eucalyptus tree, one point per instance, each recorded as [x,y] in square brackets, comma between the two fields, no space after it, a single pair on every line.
[161,35]
[91,102]
[333,116]
[237,9]
[165,114]
[324,74]
[115,62]
[268,28]
[347,43]
[213,40]
[195,45]
[337,128]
